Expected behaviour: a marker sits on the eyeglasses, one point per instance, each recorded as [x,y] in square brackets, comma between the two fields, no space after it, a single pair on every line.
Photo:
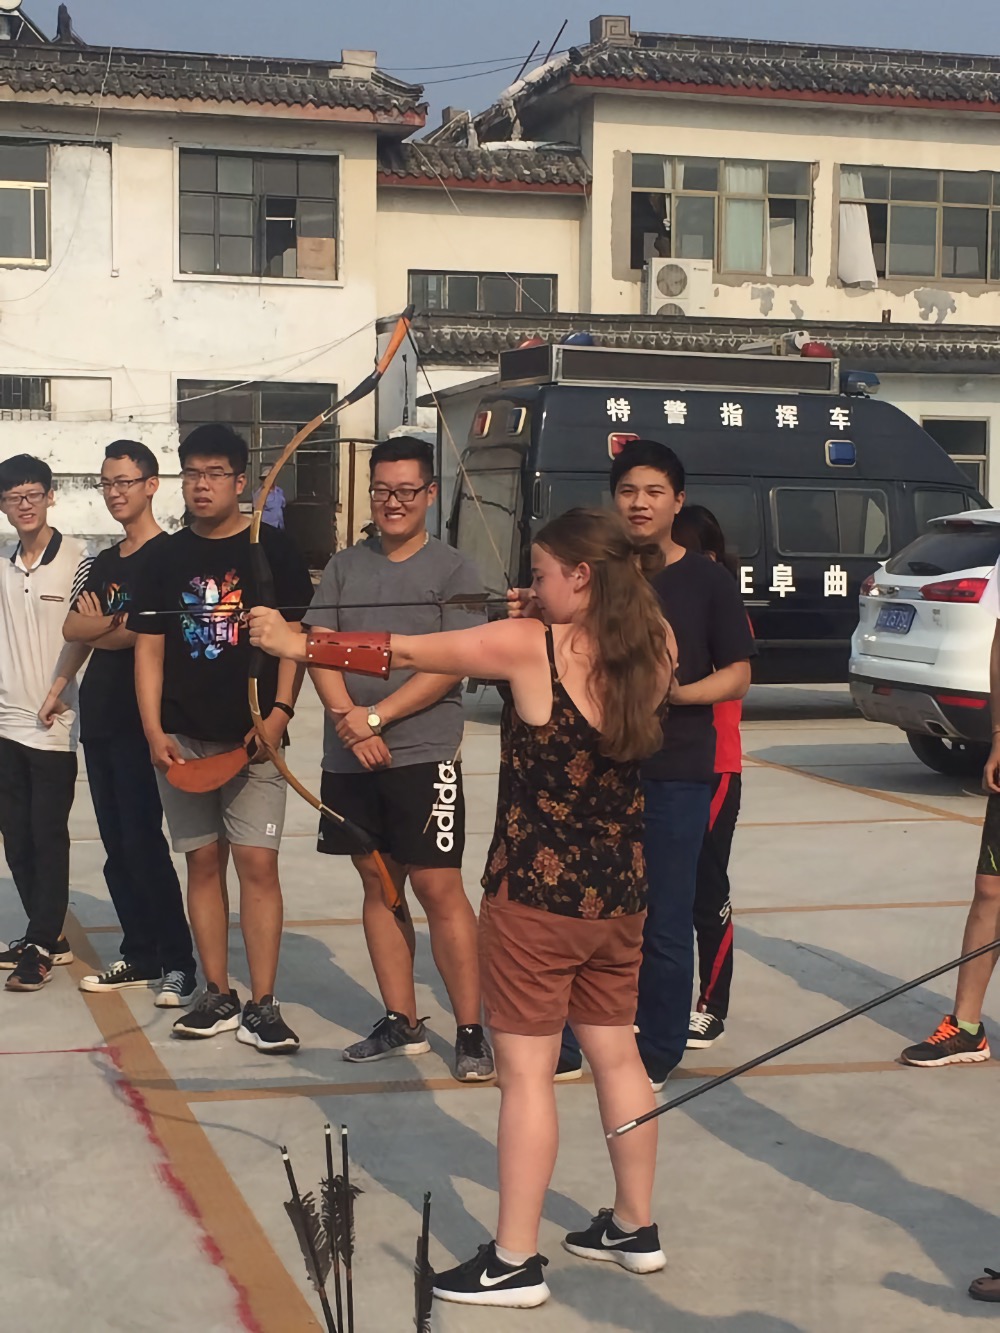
[404,494]
[32,499]
[192,475]
[122,485]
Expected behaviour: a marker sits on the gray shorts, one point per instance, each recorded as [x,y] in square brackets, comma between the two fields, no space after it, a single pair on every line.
[249,811]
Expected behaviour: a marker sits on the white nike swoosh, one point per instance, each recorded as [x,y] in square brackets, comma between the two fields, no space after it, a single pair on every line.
[610,1244]
[485,1281]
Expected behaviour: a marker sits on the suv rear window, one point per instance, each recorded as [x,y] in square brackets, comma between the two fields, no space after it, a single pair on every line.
[946,550]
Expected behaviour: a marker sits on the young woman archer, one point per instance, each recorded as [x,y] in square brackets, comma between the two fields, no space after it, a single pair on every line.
[564,904]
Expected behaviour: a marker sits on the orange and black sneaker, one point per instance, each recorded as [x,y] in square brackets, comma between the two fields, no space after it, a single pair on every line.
[949,1045]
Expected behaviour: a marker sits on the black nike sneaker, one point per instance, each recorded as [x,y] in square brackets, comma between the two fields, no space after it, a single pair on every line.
[485,1280]
[638,1251]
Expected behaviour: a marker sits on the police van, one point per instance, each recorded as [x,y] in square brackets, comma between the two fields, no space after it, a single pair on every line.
[814,482]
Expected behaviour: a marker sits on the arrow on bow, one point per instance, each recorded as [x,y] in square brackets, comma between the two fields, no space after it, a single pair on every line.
[267,596]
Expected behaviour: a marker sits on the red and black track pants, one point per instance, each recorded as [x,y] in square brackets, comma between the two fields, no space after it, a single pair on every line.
[713,913]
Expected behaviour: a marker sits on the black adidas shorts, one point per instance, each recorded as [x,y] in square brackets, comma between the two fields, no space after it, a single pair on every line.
[394,805]
[989,848]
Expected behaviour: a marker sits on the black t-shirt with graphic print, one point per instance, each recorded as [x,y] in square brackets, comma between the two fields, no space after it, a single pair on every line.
[108,706]
[206,655]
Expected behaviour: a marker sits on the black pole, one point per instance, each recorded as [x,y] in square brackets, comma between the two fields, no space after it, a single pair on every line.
[349,1228]
[313,1256]
[800,1041]
[331,1226]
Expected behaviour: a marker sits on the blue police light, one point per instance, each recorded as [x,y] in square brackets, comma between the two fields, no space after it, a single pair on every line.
[578,339]
[841,453]
[859,383]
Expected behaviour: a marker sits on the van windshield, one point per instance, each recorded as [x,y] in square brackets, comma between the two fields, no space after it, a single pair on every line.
[945,550]
[487,525]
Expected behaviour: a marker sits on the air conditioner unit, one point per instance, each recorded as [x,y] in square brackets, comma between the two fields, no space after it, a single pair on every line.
[678,287]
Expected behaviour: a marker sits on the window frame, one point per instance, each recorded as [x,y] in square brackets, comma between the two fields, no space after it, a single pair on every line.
[836,491]
[939,204]
[33,187]
[720,195]
[480,277]
[26,383]
[256,156]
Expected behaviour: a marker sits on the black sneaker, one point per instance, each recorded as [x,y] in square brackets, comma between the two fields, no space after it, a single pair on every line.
[703,1030]
[948,1045]
[10,954]
[568,1070]
[33,970]
[473,1055]
[638,1252]
[263,1027]
[484,1280]
[390,1036]
[214,1013]
[178,990]
[121,976]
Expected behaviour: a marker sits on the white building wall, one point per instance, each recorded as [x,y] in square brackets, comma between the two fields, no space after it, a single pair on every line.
[825,136]
[113,306]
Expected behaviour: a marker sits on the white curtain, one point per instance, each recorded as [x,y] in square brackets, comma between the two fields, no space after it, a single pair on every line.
[743,226]
[856,264]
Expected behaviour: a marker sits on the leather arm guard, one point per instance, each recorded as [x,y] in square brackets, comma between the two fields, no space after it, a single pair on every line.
[366,654]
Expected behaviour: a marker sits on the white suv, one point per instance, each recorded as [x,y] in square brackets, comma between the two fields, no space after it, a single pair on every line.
[920,655]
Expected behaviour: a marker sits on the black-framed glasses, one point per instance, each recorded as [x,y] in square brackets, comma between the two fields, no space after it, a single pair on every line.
[192,475]
[34,499]
[122,485]
[404,494]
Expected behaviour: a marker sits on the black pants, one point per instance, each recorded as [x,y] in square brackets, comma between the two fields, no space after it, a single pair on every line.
[36,796]
[138,871]
[713,913]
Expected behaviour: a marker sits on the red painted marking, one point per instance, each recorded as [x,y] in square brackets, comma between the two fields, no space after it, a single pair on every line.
[180,1191]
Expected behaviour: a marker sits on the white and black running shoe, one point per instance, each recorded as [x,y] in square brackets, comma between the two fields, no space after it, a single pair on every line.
[214,1013]
[473,1055]
[638,1252]
[121,976]
[263,1027]
[485,1280]
[704,1030]
[390,1036]
[178,990]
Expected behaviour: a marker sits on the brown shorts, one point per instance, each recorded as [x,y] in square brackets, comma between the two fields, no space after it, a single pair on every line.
[540,970]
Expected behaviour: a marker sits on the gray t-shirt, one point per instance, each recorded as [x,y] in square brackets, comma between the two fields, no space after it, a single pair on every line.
[433,574]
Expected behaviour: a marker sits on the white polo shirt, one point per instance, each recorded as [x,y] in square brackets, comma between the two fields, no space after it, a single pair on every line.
[33,607]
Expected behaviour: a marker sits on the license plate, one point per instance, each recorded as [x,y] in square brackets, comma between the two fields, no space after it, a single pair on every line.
[896,619]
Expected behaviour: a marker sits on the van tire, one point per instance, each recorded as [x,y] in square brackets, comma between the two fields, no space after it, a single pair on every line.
[954,758]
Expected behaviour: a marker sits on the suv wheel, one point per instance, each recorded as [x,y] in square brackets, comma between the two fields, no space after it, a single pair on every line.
[954,758]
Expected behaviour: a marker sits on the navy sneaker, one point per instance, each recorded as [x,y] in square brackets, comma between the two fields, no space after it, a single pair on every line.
[178,990]
[637,1252]
[33,970]
[485,1280]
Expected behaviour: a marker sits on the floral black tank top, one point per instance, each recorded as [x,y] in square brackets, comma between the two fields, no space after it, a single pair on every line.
[568,836]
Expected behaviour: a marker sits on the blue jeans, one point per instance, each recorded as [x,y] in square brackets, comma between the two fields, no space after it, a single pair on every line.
[674,829]
[675,823]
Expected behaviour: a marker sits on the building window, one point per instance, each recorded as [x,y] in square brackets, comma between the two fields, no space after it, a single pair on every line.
[747,217]
[267,416]
[899,222]
[269,217]
[25,398]
[484,293]
[966,441]
[24,202]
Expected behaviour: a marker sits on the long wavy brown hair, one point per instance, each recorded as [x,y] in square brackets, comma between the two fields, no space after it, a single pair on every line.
[624,623]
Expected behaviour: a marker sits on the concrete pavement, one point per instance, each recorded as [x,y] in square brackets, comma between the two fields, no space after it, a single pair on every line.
[834,1190]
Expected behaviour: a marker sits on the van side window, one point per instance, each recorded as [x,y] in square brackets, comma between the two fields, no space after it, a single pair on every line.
[811,521]
[936,504]
[487,522]
[734,504]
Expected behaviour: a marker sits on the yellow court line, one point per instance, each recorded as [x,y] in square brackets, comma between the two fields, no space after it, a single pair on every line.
[891,799]
[275,1092]
[247,1256]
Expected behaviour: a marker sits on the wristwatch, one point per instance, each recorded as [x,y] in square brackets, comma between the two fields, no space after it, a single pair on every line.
[375,722]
